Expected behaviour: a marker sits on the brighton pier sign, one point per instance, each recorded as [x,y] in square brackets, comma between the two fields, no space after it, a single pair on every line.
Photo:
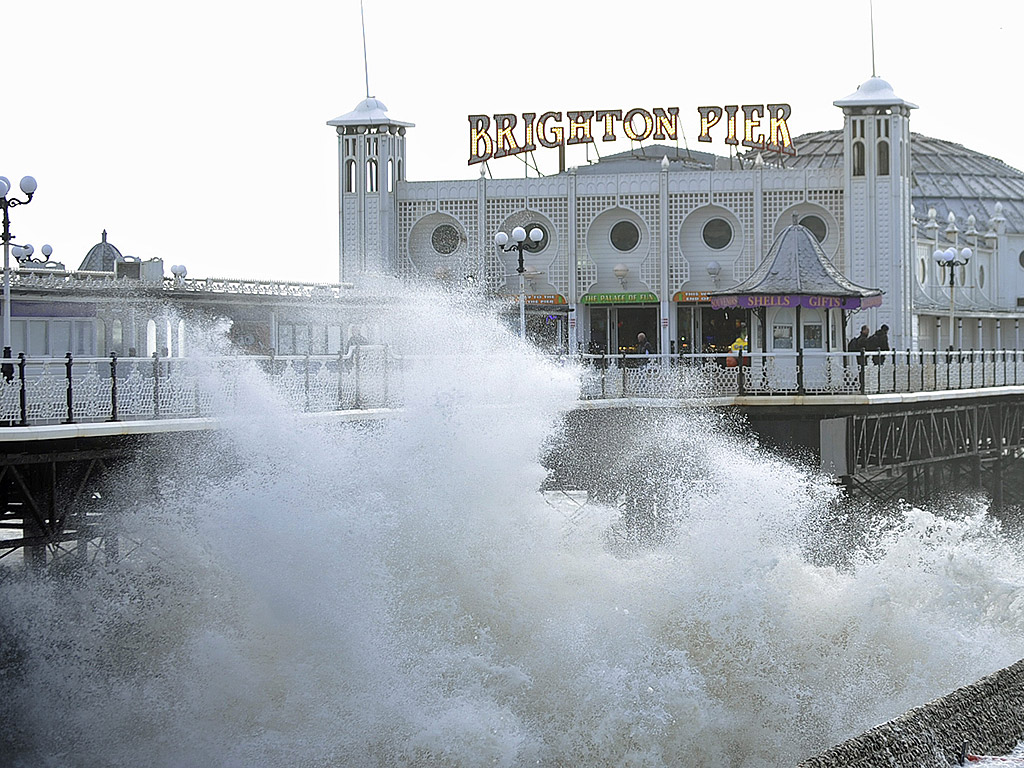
[745,125]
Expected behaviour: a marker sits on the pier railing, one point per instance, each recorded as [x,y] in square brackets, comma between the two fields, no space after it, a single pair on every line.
[77,390]
[36,391]
[804,373]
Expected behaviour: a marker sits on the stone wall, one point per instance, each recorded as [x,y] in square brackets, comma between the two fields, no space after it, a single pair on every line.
[987,715]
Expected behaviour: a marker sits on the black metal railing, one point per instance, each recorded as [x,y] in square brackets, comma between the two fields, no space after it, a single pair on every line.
[76,390]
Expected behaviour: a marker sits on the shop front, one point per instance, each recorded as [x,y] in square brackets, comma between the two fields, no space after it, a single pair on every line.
[700,328]
[798,296]
[616,319]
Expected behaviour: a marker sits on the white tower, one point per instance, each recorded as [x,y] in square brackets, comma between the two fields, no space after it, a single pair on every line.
[371,162]
[876,148]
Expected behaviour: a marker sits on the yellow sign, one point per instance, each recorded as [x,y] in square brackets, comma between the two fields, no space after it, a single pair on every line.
[506,135]
[620,298]
[778,139]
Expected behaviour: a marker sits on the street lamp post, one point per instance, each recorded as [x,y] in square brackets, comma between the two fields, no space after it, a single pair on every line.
[519,242]
[28,186]
[948,258]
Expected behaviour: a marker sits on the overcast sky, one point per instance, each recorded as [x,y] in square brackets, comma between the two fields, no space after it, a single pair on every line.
[195,131]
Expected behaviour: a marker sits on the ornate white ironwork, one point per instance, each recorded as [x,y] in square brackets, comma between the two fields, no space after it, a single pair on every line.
[54,279]
[372,377]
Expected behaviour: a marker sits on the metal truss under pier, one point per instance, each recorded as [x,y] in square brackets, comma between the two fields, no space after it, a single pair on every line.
[50,496]
[58,489]
[910,449]
[883,448]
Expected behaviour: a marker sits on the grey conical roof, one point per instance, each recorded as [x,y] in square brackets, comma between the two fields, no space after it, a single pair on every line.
[796,265]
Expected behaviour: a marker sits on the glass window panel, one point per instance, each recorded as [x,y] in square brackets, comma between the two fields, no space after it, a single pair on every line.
[60,338]
[445,239]
[37,338]
[817,226]
[717,234]
[301,339]
[319,345]
[285,339]
[782,337]
[101,339]
[813,336]
[625,236]
[19,329]
[83,338]
[333,339]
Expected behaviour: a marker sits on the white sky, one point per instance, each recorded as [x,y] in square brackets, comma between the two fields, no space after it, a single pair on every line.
[194,131]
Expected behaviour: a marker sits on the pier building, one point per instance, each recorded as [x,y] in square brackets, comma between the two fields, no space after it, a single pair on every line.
[637,241]
[127,306]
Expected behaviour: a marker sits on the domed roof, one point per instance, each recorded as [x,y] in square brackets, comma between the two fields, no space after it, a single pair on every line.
[945,176]
[101,257]
[369,111]
[876,92]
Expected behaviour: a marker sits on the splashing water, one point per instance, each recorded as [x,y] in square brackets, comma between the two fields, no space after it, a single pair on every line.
[398,593]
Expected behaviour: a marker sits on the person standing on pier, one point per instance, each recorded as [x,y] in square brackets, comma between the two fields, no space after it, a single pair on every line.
[643,346]
[860,342]
[879,342]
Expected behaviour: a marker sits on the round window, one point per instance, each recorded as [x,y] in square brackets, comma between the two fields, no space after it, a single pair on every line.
[1021,259]
[625,236]
[981,275]
[922,271]
[817,227]
[717,234]
[445,238]
[540,246]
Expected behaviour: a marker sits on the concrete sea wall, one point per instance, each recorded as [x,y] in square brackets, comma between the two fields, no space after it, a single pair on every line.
[987,715]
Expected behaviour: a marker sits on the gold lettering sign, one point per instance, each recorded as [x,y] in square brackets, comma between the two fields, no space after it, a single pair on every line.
[506,134]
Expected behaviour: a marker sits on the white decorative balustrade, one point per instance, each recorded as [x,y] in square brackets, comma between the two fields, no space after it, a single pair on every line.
[775,374]
[58,280]
[74,390]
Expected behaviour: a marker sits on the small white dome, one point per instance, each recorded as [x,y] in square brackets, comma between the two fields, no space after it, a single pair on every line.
[370,105]
[874,91]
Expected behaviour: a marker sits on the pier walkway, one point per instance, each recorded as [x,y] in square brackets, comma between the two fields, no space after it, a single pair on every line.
[887,426]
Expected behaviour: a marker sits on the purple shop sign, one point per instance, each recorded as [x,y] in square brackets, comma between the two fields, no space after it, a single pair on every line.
[757,300]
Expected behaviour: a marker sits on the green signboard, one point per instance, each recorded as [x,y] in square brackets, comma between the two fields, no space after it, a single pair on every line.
[620,298]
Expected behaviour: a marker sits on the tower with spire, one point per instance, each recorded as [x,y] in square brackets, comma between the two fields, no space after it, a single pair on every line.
[371,162]
[876,192]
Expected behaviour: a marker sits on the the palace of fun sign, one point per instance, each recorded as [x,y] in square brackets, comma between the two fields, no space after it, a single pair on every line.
[756,126]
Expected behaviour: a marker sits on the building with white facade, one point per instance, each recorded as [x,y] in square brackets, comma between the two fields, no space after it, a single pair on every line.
[637,241]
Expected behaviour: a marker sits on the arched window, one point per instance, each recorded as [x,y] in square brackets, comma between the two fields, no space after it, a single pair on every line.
[350,175]
[399,176]
[116,337]
[858,158]
[150,337]
[101,338]
[391,175]
[181,338]
[883,157]
[371,176]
